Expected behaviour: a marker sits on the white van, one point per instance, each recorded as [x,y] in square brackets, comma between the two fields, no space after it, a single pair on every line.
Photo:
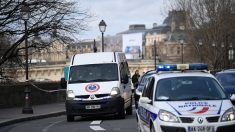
[98,84]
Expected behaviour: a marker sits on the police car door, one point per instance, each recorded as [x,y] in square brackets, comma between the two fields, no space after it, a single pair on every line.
[145,108]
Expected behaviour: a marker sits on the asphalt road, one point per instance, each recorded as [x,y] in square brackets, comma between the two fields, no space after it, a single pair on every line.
[88,124]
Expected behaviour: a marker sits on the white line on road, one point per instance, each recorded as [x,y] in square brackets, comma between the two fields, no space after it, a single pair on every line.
[97,128]
[46,128]
[96,122]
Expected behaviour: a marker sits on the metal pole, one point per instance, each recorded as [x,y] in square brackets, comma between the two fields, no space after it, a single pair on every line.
[27,107]
[182,53]
[155,54]
[102,42]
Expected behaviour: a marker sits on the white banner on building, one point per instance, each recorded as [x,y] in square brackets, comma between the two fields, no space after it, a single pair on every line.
[132,45]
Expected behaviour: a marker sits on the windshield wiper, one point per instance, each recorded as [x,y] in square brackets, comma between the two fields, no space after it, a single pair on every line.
[95,80]
[200,98]
[78,81]
[190,98]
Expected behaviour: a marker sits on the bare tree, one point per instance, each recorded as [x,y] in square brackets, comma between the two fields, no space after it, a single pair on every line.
[67,18]
[212,25]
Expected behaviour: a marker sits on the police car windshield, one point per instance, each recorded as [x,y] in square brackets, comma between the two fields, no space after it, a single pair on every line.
[93,73]
[189,88]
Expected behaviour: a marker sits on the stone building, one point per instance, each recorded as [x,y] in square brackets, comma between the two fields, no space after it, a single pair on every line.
[171,40]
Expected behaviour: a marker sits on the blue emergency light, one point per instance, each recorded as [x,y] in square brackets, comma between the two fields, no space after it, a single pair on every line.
[179,67]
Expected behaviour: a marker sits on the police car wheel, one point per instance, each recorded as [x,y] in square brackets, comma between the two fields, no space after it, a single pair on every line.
[70,118]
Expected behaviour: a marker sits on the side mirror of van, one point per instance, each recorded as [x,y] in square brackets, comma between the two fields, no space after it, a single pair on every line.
[125,79]
[232,98]
[63,83]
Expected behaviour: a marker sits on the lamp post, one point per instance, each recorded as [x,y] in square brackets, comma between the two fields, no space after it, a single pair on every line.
[155,54]
[182,50]
[25,10]
[102,26]
[230,55]
[200,45]
[223,62]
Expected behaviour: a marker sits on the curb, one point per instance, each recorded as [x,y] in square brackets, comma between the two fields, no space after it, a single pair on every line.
[34,117]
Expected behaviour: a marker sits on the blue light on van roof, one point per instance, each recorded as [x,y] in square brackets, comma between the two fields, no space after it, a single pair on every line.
[175,67]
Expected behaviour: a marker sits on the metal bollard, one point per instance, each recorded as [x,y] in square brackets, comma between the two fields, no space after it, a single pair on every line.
[27,106]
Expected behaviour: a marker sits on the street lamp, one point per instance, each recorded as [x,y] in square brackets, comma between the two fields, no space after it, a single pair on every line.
[25,12]
[230,55]
[182,50]
[102,26]
[155,54]
[200,45]
[222,52]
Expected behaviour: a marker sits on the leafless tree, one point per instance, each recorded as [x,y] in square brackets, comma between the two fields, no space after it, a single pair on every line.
[48,18]
[212,25]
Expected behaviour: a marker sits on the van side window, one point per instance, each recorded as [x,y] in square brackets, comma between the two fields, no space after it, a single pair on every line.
[123,70]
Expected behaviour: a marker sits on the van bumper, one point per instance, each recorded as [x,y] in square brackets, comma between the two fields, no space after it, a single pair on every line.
[107,106]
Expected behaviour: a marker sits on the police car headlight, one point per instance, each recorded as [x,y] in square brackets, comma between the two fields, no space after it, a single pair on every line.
[115,91]
[228,115]
[70,95]
[167,116]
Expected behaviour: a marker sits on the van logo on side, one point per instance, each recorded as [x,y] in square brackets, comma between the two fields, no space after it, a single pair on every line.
[92,88]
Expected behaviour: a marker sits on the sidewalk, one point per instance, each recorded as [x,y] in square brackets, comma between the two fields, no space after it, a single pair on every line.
[14,115]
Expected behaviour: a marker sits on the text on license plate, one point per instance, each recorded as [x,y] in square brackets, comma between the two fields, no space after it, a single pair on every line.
[201,129]
[93,106]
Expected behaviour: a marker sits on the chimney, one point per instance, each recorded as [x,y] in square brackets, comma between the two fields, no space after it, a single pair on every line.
[154,25]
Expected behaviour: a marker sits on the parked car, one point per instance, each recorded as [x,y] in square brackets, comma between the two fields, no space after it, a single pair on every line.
[227,80]
[140,86]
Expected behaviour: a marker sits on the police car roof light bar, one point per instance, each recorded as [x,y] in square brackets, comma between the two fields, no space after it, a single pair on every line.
[181,67]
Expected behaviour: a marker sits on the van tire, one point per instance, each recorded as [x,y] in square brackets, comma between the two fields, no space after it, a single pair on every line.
[70,118]
[121,113]
[129,109]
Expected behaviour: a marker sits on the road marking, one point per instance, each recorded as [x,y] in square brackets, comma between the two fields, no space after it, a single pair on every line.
[96,122]
[97,128]
[46,128]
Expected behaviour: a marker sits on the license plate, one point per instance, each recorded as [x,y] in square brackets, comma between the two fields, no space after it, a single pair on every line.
[201,129]
[93,106]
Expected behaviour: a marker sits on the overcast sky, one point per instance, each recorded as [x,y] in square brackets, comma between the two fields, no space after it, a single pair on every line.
[119,14]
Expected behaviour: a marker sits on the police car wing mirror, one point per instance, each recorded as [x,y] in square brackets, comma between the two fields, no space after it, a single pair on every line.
[232,98]
[145,100]
[63,83]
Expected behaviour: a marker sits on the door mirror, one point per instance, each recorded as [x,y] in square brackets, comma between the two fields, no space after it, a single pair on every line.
[145,100]
[125,79]
[63,83]
[232,98]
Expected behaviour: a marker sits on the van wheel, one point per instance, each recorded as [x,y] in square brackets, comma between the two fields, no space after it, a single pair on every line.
[129,109]
[70,118]
[121,113]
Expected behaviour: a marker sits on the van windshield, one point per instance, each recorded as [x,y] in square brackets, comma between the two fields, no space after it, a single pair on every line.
[93,73]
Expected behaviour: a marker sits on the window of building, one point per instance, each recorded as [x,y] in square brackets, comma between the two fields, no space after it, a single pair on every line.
[178,50]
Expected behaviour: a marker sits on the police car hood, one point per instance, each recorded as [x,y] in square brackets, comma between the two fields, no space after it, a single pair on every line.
[188,108]
[92,88]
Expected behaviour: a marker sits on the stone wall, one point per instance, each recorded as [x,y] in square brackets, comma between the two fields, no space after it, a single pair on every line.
[12,95]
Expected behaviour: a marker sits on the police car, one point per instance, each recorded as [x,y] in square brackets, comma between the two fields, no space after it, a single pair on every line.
[185,98]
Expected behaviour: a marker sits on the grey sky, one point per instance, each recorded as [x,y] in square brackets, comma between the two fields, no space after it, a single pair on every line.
[119,14]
